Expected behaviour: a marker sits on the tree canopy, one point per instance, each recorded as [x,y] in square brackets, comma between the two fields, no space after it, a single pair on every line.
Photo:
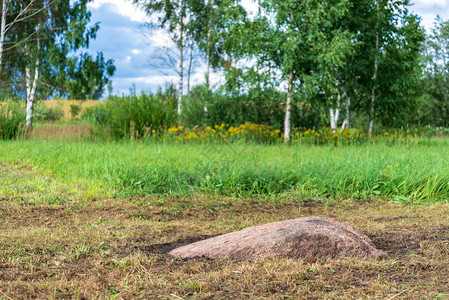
[46,37]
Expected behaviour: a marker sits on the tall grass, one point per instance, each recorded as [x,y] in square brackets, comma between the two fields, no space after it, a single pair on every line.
[414,172]
[132,117]
[12,119]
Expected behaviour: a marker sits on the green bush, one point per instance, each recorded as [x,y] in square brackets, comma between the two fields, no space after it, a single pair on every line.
[44,113]
[194,107]
[12,120]
[256,106]
[135,117]
[53,114]
[75,109]
[95,115]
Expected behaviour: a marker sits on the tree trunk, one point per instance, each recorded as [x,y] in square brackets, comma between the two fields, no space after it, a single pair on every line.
[209,34]
[335,114]
[287,124]
[347,122]
[2,32]
[189,70]
[181,49]
[31,84]
[373,90]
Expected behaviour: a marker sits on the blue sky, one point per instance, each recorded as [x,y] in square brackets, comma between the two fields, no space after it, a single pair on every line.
[122,38]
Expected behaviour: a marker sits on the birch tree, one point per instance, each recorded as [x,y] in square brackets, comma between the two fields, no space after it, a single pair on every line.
[166,58]
[31,78]
[302,41]
[40,36]
[386,64]
[172,15]
[22,16]
[211,25]
[2,32]
[376,61]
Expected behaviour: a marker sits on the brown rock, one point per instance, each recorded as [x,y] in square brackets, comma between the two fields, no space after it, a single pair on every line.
[309,237]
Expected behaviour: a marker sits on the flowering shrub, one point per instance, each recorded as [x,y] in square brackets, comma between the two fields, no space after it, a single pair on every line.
[346,137]
[250,132]
[327,136]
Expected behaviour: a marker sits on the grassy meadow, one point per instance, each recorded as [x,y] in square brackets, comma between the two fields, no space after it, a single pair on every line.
[414,173]
[87,219]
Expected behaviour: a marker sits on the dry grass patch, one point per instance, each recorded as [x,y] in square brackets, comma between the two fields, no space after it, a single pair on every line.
[65,105]
[59,132]
[116,248]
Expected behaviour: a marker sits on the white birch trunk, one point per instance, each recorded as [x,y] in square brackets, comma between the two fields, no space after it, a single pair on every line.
[31,84]
[189,70]
[208,59]
[288,109]
[347,122]
[181,49]
[2,32]
[335,114]
[209,34]
[373,90]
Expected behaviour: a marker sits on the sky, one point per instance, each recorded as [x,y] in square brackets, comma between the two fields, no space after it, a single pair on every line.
[123,38]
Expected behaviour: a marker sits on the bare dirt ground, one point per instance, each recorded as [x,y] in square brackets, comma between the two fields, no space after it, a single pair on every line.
[117,248]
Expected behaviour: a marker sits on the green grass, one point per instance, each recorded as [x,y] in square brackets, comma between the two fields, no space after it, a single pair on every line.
[415,172]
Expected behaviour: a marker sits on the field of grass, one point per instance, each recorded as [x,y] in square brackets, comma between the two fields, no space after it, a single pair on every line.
[416,172]
[87,220]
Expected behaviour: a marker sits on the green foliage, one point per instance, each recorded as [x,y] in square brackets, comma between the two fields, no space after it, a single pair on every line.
[211,25]
[87,77]
[44,113]
[195,106]
[53,114]
[75,109]
[50,35]
[259,106]
[12,120]
[134,117]
[400,70]
[433,106]
[95,115]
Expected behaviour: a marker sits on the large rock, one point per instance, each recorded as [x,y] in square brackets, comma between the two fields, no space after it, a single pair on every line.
[309,237]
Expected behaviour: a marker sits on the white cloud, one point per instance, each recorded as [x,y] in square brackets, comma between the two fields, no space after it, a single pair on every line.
[429,9]
[159,38]
[431,3]
[124,8]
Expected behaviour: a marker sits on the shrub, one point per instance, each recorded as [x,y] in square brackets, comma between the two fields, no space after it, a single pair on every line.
[44,113]
[53,114]
[12,120]
[135,117]
[75,109]
[194,107]
[95,115]
[248,132]
[255,106]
